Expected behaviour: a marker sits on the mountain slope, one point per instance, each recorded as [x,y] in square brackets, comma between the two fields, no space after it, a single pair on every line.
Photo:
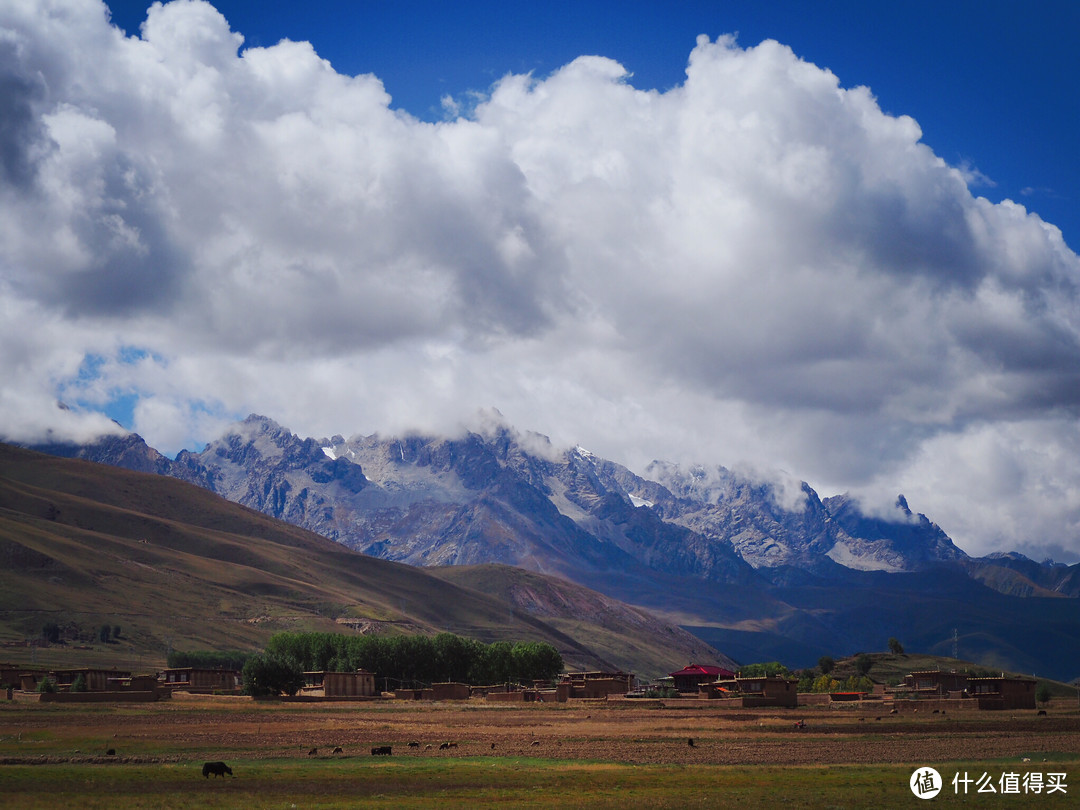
[765,570]
[175,564]
[582,612]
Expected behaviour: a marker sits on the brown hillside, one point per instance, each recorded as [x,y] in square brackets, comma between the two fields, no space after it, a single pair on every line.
[176,566]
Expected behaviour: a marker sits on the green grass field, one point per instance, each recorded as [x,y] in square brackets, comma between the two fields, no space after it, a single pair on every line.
[485,782]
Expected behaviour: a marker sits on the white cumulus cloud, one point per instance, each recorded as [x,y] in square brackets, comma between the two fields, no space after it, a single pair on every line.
[756,266]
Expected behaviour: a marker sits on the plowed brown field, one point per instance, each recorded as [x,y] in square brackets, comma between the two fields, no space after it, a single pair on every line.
[194,728]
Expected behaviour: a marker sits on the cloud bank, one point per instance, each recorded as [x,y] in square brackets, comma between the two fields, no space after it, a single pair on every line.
[757,265]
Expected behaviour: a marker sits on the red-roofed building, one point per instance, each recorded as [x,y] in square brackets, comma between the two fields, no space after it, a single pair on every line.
[690,678]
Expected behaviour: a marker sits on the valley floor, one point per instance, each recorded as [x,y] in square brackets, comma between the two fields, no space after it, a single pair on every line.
[622,752]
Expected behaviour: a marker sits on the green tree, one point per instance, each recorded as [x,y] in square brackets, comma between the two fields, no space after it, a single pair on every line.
[858,684]
[50,631]
[826,684]
[208,659]
[1042,693]
[826,664]
[453,657]
[116,631]
[535,661]
[495,664]
[79,684]
[104,633]
[270,675]
[895,647]
[765,669]
[863,663]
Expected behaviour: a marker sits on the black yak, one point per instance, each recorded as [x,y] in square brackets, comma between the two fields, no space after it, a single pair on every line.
[216,768]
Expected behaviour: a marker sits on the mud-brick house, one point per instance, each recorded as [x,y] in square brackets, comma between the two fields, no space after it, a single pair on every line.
[96,680]
[766,690]
[598,684]
[691,678]
[450,691]
[360,683]
[11,675]
[770,690]
[1002,692]
[195,679]
[934,683]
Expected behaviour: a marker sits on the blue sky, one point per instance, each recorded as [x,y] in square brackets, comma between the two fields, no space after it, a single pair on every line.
[628,232]
[992,83]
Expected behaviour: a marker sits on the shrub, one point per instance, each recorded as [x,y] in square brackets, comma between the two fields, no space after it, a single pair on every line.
[46,686]
[661,692]
[895,647]
[79,684]
[50,631]
[764,670]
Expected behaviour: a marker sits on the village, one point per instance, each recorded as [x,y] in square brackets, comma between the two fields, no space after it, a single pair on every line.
[929,691]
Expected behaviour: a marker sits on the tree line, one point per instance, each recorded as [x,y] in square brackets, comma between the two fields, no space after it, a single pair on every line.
[398,660]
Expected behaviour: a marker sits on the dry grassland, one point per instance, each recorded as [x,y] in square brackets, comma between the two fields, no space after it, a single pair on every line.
[617,731]
[594,740]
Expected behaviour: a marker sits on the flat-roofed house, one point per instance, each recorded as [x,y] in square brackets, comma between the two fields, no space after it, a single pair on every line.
[598,684]
[197,679]
[1003,692]
[360,683]
[935,683]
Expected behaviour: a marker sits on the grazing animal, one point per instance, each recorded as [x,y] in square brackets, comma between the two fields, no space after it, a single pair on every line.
[444,746]
[935,711]
[535,742]
[878,717]
[690,742]
[1041,712]
[338,750]
[216,768]
[493,746]
[414,744]
[892,711]
[314,752]
[111,752]
[381,751]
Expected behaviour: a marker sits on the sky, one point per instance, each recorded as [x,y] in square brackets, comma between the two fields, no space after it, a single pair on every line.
[833,241]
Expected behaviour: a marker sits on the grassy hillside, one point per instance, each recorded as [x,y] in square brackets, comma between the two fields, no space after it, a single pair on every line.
[176,566]
[597,620]
[890,668]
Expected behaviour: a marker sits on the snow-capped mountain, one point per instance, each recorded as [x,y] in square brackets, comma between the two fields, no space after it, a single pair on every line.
[756,568]
[516,500]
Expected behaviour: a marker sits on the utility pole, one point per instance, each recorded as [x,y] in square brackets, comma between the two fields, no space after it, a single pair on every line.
[955,644]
